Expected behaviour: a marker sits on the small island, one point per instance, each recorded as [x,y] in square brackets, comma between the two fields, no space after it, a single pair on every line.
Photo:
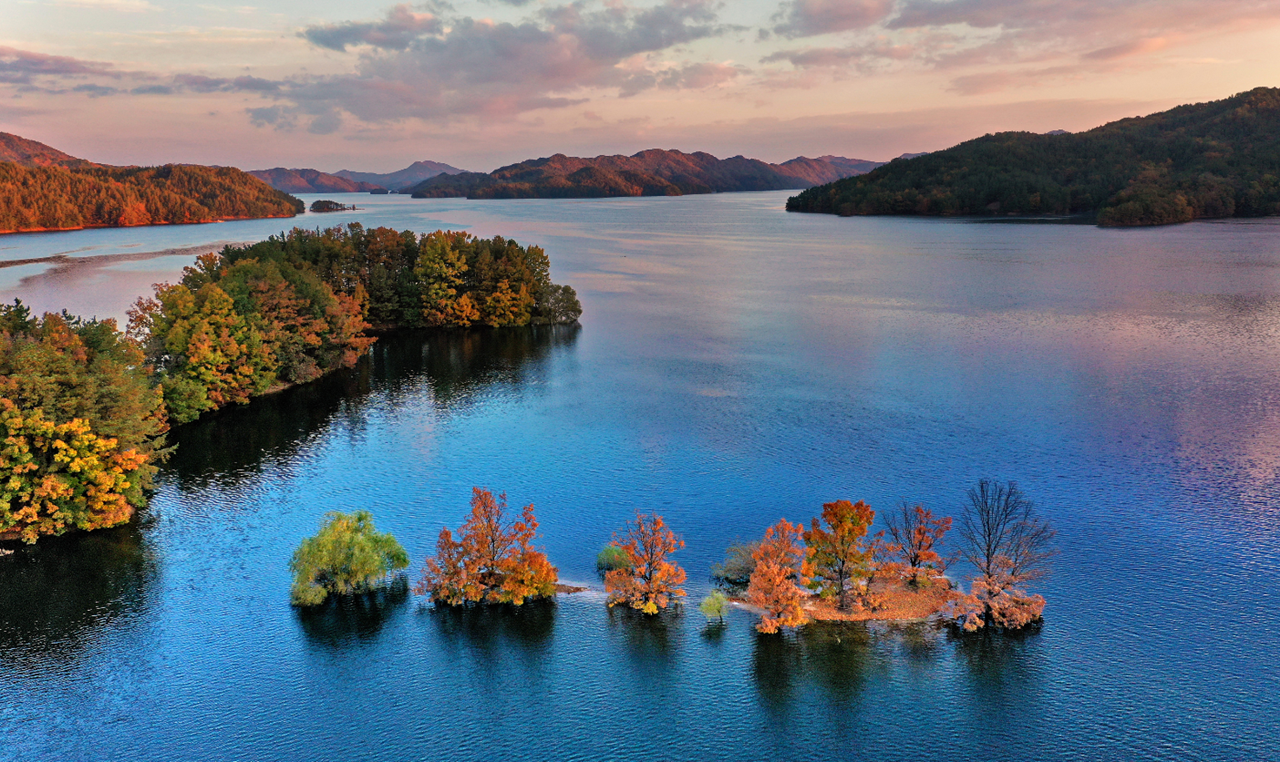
[323,205]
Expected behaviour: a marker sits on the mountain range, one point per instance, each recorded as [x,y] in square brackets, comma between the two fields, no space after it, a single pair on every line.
[346,181]
[654,172]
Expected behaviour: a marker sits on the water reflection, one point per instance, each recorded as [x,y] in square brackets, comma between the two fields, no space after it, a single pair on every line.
[345,620]
[650,640]
[234,442]
[458,363]
[491,630]
[60,598]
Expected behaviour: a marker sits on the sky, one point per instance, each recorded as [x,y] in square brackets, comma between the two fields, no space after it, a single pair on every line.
[482,83]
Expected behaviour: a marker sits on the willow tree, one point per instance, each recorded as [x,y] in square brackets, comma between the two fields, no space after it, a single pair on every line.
[347,556]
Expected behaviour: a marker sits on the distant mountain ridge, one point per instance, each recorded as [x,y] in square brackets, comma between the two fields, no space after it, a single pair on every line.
[45,189]
[1205,160]
[310,181]
[404,178]
[654,172]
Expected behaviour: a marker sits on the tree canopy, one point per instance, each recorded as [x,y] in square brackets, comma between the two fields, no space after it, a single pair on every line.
[348,555]
[492,561]
[83,424]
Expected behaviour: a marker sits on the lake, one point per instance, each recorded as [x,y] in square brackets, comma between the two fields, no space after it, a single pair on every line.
[735,364]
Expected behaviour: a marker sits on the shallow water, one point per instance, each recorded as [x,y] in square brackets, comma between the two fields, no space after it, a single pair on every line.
[735,364]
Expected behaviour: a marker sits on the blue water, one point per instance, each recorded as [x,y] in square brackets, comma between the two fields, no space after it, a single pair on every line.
[735,364]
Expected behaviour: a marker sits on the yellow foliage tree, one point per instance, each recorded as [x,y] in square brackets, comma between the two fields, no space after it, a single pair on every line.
[61,476]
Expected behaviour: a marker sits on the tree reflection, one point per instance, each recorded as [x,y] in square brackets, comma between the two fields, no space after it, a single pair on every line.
[61,596]
[345,620]
[454,364]
[649,638]
[838,657]
[493,628]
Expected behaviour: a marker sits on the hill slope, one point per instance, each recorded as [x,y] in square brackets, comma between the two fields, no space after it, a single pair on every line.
[42,188]
[310,181]
[404,178]
[29,153]
[1217,159]
[653,172]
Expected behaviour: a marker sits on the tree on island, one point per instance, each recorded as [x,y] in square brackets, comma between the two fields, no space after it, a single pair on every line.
[650,582]
[347,556]
[840,555]
[610,558]
[1009,546]
[492,561]
[714,605]
[782,566]
[734,573]
[325,205]
[917,534]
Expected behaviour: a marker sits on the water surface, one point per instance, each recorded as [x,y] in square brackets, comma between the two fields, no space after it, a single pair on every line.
[735,364]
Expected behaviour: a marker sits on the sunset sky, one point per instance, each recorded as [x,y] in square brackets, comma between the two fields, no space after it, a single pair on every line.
[481,83]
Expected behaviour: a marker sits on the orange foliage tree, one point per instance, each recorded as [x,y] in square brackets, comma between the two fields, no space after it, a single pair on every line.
[649,581]
[492,561]
[782,566]
[917,534]
[840,555]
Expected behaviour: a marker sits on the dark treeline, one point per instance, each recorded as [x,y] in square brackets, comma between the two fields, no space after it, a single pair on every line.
[1208,160]
[84,407]
[59,198]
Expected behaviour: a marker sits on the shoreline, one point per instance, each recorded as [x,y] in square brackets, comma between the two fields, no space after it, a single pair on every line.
[148,225]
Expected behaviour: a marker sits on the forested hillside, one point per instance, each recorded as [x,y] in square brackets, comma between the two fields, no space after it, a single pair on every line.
[310,181]
[1208,160]
[57,198]
[42,188]
[648,173]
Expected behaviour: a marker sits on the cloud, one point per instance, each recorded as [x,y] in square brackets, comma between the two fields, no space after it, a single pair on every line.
[700,76]
[428,67]
[1124,50]
[400,28]
[860,55]
[806,18]
[23,66]
[120,6]
[201,84]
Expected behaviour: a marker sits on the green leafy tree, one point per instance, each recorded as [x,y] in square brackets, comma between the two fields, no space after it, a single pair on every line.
[347,556]
[714,605]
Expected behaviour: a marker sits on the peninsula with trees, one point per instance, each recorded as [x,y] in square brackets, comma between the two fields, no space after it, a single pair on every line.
[84,407]
[45,190]
[1203,161]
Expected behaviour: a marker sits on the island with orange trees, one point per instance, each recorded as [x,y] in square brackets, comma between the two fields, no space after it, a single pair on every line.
[833,571]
